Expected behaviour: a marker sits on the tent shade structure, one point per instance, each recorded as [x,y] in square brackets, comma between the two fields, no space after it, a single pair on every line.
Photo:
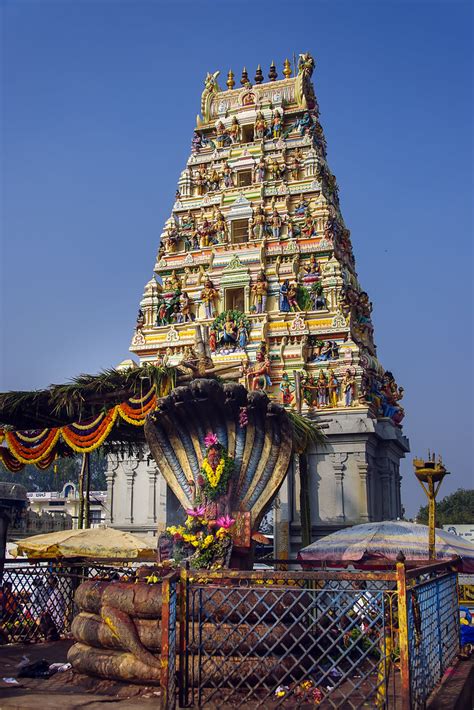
[106,543]
[373,545]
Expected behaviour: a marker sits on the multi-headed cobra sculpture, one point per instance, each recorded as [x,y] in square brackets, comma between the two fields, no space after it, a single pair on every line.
[223,451]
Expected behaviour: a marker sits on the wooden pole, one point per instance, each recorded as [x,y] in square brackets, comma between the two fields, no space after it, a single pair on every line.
[87,492]
[80,515]
[305,503]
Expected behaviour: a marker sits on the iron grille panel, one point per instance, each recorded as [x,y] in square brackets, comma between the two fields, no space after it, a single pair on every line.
[433,633]
[244,642]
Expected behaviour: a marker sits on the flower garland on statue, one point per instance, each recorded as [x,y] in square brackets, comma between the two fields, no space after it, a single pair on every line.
[214,480]
[206,544]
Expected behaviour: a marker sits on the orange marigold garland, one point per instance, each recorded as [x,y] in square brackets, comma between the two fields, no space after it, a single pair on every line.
[83,444]
[32,452]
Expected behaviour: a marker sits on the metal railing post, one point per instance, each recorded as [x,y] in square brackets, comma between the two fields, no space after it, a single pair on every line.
[167,702]
[403,636]
[183,675]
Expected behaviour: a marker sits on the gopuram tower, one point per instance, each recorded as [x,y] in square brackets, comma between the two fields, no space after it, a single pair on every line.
[256,254]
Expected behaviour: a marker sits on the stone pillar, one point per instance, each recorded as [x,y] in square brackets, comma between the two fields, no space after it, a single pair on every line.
[152,491]
[282,514]
[385,498]
[338,464]
[130,474]
[363,469]
[111,473]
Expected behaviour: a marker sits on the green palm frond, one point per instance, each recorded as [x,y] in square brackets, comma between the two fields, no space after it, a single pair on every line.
[305,432]
[85,396]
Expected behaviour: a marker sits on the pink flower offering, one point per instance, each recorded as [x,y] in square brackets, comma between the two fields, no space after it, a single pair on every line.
[225,522]
[196,512]
[211,440]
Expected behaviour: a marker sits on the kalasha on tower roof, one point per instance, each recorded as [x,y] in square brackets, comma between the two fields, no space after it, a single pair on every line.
[255,259]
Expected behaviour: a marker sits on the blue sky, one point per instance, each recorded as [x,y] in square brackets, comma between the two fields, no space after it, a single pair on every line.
[99,100]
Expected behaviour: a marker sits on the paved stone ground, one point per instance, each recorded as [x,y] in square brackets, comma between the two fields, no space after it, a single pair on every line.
[66,690]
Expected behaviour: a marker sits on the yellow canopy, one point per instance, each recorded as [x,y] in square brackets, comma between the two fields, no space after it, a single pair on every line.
[99,542]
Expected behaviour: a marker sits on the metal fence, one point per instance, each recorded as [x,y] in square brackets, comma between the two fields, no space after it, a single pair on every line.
[276,639]
[269,638]
[433,633]
[37,597]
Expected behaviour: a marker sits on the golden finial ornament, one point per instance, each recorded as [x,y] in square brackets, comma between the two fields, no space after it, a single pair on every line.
[244,79]
[230,79]
[258,75]
[287,69]
[272,74]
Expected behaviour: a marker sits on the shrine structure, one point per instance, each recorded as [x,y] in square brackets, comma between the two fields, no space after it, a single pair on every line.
[255,264]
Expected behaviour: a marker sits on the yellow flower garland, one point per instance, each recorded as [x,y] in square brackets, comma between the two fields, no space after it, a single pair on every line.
[213,476]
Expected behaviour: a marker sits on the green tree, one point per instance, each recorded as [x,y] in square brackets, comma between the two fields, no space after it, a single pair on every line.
[455,508]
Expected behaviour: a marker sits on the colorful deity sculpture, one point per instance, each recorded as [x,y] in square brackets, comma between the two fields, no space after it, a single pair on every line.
[222,136]
[309,390]
[313,271]
[286,389]
[276,170]
[348,388]
[208,297]
[188,222]
[259,170]
[185,307]
[333,389]
[277,124]
[259,223]
[322,390]
[295,163]
[201,180]
[229,332]
[214,484]
[301,207]
[317,298]
[227,176]
[243,335]
[140,320]
[205,230]
[212,340]
[259,290]
[196,143]
[292,296]
[214,180]
[259,375]
[319,139]
[220,227]
[327,351]
[305,124]
[276,223]
[174,281]
[170,239]
[234,130]
[284,303]
[308,228]
[260,126]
